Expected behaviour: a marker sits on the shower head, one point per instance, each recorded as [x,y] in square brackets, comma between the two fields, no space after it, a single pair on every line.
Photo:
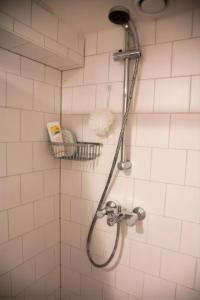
[119,15]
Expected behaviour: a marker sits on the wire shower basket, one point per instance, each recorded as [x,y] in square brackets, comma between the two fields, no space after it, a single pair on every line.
[81,151]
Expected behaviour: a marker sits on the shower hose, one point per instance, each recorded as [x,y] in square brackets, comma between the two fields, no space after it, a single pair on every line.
[103,196]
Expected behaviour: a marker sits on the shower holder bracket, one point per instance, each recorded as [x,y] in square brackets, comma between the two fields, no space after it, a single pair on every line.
[131,54]
[124,165]
[115,214]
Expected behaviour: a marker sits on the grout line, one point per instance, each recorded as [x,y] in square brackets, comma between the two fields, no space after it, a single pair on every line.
[60,208]
[176,286]
[151,165]
[20,66]
[186,164]
[95,99]
[20,192]
[6,158]
[97,42]
[133,113]
[171,59]
[8,225]
[31,16]
[190,95]
[165,202]
[6,90]
[109,68]
[180,237]
[195,273]
[160,265]
[156,32]
[138,79]
[169,132]
[154,95]
[192,27]
[33,96]
[144,46]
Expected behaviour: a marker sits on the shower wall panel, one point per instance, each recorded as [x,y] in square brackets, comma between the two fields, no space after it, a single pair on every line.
[159,258]
[29,179]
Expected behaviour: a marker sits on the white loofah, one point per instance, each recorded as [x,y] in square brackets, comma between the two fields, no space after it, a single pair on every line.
[101,121]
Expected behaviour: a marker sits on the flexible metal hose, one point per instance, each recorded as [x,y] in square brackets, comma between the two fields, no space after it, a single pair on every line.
[102,199]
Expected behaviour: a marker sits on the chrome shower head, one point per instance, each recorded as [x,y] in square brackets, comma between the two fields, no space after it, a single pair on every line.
[119,15]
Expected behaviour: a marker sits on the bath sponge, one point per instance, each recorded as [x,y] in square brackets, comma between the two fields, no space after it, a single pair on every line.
[101,121]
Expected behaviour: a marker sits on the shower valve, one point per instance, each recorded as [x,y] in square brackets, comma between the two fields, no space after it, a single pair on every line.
[111,208]
[115,214]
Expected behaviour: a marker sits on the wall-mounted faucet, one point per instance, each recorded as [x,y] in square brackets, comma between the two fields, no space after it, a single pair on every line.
[115,214]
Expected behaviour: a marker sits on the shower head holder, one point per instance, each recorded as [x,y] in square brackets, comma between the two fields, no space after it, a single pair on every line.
[130,54]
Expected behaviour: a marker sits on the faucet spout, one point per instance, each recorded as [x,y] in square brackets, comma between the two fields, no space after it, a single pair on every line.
[115,218]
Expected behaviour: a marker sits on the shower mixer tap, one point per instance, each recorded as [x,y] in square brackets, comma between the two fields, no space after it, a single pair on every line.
[115,214]
[109,209]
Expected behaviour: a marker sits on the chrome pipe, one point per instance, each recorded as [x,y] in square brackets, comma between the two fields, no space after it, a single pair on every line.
[133,31]
[129,28]
[108,181]
[124,163]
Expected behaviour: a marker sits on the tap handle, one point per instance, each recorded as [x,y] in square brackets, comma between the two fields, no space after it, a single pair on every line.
[132,220]
[111,205]
[109,208]
[138,214]
[101,213]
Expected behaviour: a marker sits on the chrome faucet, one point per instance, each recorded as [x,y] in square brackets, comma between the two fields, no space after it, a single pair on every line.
[115,214]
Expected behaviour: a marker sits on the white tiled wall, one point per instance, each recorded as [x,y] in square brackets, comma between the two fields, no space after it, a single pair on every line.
[160,258]
[31,29]
[29,179]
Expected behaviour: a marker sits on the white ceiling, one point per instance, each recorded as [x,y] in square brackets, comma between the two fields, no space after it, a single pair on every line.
[92,15]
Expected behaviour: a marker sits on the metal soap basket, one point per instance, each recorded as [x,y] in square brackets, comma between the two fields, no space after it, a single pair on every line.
[81,151]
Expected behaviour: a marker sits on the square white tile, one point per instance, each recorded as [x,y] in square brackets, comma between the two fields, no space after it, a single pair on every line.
[184,271]
[168,165]
[172,95]
[183,203]
[93,63]
[192,168]
[186,57]
[19,158]
[19,92]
